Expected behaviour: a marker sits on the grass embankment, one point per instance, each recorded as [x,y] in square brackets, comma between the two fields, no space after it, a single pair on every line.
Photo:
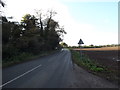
[23,57]
[92,66]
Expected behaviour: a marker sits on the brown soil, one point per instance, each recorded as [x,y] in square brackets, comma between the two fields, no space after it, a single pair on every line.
[108,56]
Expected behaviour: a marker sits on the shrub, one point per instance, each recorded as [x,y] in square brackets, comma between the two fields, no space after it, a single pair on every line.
[86,62]
[9,51]
[96,69]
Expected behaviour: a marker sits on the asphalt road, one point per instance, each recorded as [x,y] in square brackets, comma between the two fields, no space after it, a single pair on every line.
[53,71]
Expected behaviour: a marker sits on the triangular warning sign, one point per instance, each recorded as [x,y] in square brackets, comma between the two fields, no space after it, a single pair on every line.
[80,41]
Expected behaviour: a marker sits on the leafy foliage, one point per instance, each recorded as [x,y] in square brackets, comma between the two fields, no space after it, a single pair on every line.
[63,44]
[30,36]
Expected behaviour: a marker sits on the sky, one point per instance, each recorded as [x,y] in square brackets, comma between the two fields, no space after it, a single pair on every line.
[94,21]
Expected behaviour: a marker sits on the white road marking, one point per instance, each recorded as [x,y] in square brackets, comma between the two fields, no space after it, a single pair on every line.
[20,76]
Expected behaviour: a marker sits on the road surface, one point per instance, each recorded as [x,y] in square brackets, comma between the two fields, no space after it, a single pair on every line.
[53,71]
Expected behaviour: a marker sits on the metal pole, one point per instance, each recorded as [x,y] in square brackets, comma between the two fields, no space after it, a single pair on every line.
[80,51]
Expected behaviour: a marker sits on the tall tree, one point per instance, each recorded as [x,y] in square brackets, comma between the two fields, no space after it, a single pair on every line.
[51,13]
[40,23]
[29,21]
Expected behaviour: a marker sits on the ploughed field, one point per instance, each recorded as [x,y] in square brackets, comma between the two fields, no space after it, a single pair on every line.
[107,56]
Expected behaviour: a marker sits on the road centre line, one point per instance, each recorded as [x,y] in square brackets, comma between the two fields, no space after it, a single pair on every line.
[20,76]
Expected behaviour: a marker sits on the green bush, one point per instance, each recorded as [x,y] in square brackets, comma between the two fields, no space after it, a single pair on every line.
[96,69]
[21,56]
[16,59]
[9,51]
[86,62]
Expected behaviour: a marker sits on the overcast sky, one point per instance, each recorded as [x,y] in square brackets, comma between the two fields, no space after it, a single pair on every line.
[94,21]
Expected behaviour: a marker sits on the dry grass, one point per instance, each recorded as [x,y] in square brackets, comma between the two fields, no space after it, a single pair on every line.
[99,49]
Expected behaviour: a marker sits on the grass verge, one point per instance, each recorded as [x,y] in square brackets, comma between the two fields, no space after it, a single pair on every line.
[23,57]
[94,67]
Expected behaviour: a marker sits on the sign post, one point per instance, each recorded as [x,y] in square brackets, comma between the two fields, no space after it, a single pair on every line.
[80,43]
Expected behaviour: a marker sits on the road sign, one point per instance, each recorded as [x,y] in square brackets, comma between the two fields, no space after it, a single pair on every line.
[80,41]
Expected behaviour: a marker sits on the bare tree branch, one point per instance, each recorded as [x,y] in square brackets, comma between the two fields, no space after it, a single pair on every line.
[2,3]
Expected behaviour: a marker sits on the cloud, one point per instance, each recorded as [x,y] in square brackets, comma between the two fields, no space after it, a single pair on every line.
[89,33]
[18,8]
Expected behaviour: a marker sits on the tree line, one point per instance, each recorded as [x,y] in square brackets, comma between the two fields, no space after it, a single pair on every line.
[95,46]
[34,34]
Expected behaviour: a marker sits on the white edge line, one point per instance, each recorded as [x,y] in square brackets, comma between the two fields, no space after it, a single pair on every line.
[20,76]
